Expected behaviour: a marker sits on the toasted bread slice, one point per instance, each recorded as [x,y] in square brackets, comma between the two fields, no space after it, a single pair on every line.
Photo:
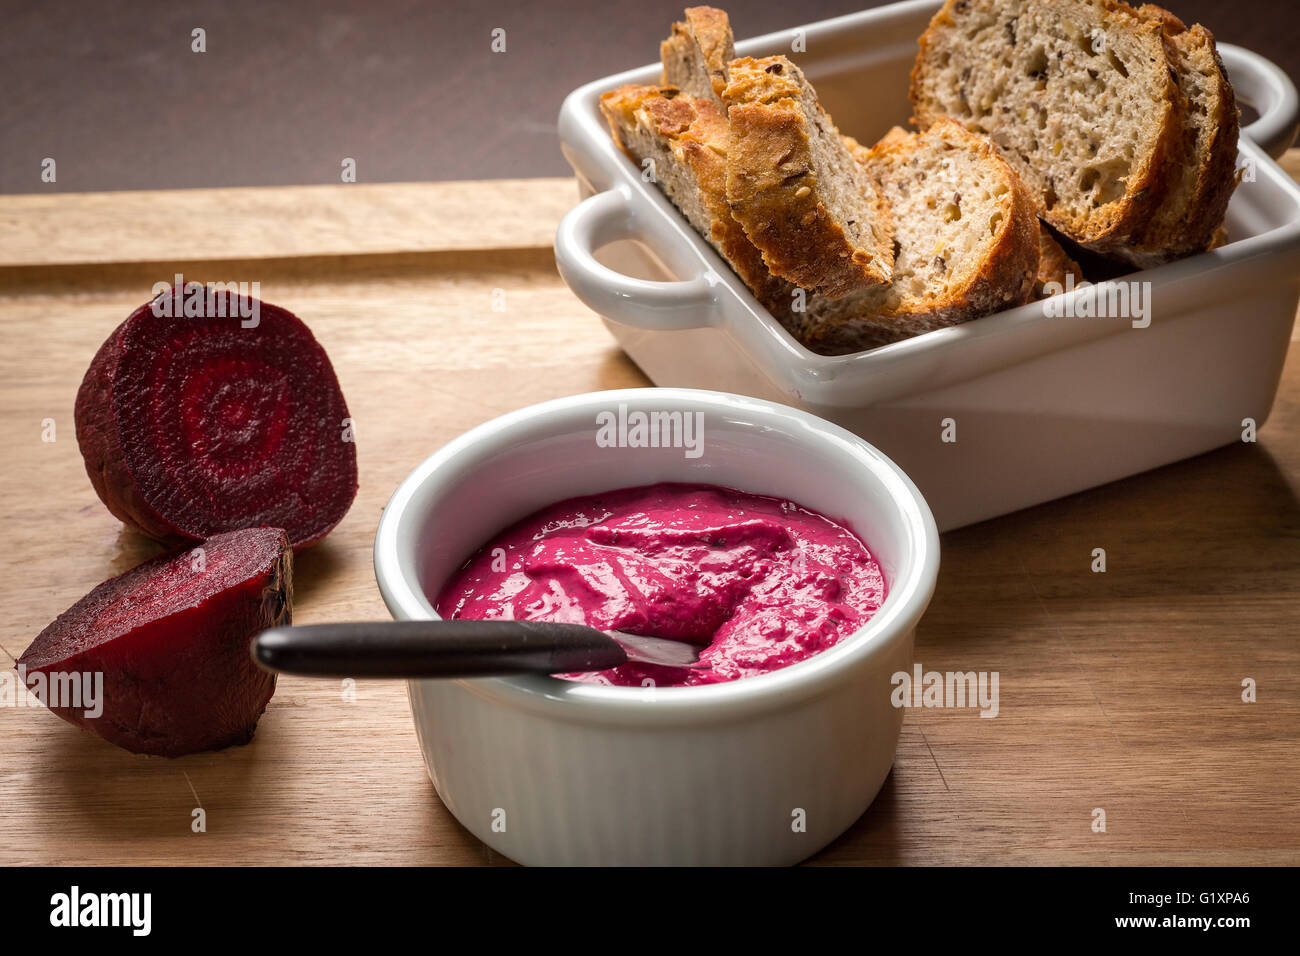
[1054,263]
[1079,96]
[696,54]
[792,184]
[1195,205]
[966,242]
[1054,266]
[685,138]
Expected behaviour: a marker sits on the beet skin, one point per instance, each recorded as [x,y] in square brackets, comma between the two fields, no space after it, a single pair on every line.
[171,639]
[191,425]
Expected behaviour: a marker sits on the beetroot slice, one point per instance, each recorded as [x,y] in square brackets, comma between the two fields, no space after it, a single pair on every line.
[191,426]
[171,639]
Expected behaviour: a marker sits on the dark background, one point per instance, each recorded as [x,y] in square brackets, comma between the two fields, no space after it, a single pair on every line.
[409,89]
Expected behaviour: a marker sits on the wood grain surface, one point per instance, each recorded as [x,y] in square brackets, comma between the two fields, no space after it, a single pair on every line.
[1119,691]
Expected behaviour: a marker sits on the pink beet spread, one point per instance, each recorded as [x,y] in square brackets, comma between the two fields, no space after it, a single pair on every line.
[763,582]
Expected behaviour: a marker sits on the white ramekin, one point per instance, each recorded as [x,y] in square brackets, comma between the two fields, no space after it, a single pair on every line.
[765,770]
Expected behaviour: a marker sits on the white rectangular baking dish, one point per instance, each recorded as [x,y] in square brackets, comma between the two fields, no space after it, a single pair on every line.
[1040,406]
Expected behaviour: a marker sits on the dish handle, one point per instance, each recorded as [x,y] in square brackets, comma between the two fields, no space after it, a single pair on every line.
[604,218]
[1264,85]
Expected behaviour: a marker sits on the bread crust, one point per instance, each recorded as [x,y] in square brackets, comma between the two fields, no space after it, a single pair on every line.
[1115,224]
[696,53]
[1196,203]
[1218,178]
[1004,279]
[782,196]
[694,131]
[1054,265]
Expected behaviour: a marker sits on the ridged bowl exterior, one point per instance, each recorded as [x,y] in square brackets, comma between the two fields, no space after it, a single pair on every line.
[765,770]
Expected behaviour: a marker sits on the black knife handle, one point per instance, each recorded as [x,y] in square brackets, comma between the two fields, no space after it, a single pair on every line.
[449,648]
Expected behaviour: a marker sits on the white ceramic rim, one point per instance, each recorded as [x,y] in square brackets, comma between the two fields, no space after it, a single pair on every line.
[889,371]
[909,592]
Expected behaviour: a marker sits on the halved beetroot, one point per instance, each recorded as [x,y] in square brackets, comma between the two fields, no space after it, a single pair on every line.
[171,639]
[191,426]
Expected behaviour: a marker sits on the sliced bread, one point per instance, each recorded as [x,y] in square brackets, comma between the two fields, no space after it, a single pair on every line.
[1079,96]
[966,242]
[1054,266]
[1206,175]
[696,54]
[794,187]
[685,139]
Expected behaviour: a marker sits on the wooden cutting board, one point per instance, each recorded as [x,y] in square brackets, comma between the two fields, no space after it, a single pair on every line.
[441,308]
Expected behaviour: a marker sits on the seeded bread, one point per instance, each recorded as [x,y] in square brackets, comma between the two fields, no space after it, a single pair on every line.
[1054,264]
[1079,96]
[696,54]
[966,242]
[685,138]
[1205,178]
[815,213]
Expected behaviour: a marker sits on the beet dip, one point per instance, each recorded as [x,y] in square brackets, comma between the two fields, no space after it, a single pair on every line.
[762,582]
